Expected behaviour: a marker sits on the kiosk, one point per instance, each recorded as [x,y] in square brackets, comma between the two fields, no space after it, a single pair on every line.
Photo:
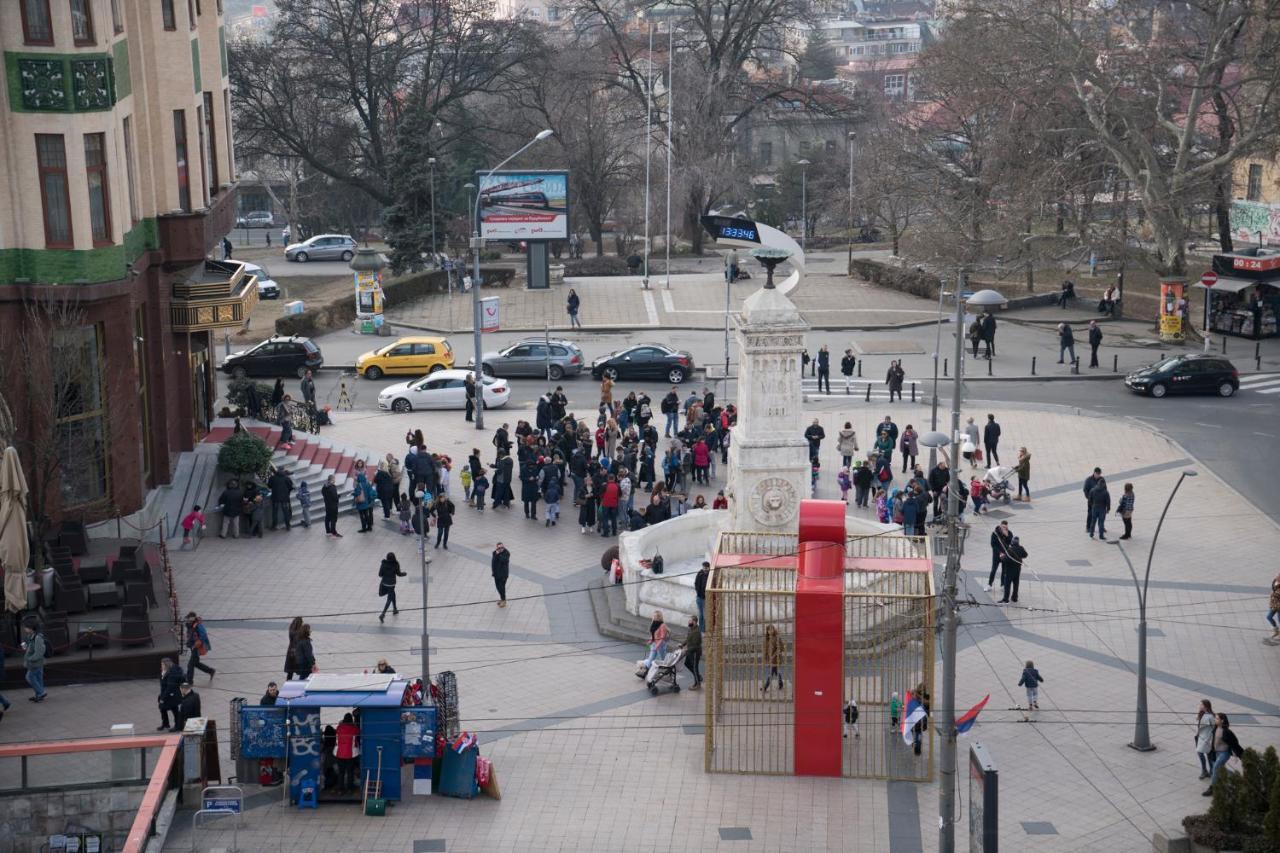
[1245,300]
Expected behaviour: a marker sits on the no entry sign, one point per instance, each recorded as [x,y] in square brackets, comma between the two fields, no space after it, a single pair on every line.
[1209,279]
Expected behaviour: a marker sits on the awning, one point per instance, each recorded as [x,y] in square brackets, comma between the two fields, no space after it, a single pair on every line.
[1235,285]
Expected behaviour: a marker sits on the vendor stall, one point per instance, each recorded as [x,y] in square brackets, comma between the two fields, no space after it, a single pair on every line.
[1245,300]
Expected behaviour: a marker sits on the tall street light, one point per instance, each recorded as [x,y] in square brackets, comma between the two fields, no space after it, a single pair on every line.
[423,496]
[853,134]
[1141,731]
[477,244]
[431,161]
[937,351]
[804,199]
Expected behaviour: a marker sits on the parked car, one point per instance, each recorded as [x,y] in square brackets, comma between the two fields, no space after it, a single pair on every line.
[277,356]
[267,287]
[322,247]
[1186,374]
[529,358]
[256,219]
[645,361]
[413,355]
[444,389]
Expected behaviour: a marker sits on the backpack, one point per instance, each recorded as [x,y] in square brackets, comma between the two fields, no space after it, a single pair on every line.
[656,564]
[645,411]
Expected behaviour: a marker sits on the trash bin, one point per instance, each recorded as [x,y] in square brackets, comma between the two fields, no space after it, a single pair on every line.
[458,775]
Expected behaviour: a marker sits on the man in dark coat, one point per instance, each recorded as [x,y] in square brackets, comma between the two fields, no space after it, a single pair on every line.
[281,486]
[938,479]
[1089,483]
[1011,567]
[502,470]
[1066,342]
[559,404]
[329,493]
[231,502]
[814,435]
[544,420]
[1095,341]
[188,707]
[1099,506]
[824,369]
[847,363]
[991,439]
[171,678]
[427,474]
[989,333]
[469,390]
[500,567]
[1000,538]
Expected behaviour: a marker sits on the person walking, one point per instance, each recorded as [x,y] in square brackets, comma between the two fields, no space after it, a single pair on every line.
[362,495]
[281,486]
[988,321]
[1225,745]
[991,440]
[1031,679]
[171,679]
[572,304]
[846,443]
[824,369]
[910,446]
[443,509]
[1273,608]
[304,653]
[1204,737]
[1066,342]
[34,651]
[309,392]
[1023,470]
[329,494]
[1000,538]
[851,718]
[693,653]
[1095,341]
[199,645]
[847,364]
[814,435]
[894,379]
[772,657]
[388,571]
[291,653]
[975,335]
[1124,509]
[500,568]
[700,590]
[1011,569]
[304,503]
[1099,506]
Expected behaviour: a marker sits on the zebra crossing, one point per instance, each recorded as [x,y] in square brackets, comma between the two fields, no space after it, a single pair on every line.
[857,390]
[1261,383]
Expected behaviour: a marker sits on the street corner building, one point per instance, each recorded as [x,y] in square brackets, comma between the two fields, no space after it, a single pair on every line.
[116,180]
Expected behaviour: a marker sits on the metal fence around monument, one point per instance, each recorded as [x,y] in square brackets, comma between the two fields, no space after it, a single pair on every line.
[888,648]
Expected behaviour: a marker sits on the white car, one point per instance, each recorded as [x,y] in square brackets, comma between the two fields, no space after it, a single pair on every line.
[444,389]
[267,287]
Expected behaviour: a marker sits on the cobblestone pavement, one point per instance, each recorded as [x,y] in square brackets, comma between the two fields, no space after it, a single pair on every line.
[588,761]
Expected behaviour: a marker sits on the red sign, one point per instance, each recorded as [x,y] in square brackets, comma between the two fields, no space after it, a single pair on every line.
[1209,279]
[1256,264]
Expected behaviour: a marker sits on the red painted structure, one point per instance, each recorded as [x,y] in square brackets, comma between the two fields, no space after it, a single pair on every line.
[819,643]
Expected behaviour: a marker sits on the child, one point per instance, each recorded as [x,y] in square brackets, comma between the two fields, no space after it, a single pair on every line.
[895,712]
[405,511]
[478,487]
[304,501]
[851,718]
[465,477]
[979,491]
[815,467]
[255,517]
[845,483]
[882,506]
[1031,680]
[193,521]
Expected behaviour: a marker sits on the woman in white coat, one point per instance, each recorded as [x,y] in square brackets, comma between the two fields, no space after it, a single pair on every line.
[1204,737]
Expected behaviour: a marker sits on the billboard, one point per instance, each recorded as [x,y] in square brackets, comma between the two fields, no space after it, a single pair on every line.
[524,205]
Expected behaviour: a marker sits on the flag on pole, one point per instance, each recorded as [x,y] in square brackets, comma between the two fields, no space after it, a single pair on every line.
[965,722]
[913,712]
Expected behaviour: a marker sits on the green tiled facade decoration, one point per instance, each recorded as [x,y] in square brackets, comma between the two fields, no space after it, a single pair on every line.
[69,266]
[222,48]
[120,75]
[91,84]
[60,82]
[195,66]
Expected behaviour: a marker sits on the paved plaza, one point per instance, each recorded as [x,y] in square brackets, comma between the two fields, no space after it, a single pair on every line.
[587,760]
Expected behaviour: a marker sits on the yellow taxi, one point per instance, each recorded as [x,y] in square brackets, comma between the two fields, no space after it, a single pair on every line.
[414,356]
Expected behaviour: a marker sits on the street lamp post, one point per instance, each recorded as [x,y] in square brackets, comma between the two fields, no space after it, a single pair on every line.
[804,200]
[425,562]
[852,136]
[431,161]
[1141,730]
[937,350]
[477,244]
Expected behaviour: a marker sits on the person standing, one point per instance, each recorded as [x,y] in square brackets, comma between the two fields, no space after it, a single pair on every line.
[304,653]
[1066,342]
[572,304]
[847,443]
[1204,737]
[226,248]
[1095,341]
[1225,745]
[814,435]
[34,650]
[348,734]
[171,679]
[388,571]
[469,392]
[989,334]
[700,590]
[500,568]
[609,499]
[909,444]
[606,391]
[1124,509]
[1273,608]
[824,369]
[231,504]
[1099,506]
[385,488]
[329,494]
[847,364]
[1089,483]
[1011,567]
[772,657]
[304,503]
[731,266]
[188,707]
[693,653]
[991,440]
[281,486]
[1031,679]
[309,392]
[291,653]
[1023,470]
[551,493]
[199,645]
[443,511]
[670,407]
[1000,538]
[894,379]
[851,718]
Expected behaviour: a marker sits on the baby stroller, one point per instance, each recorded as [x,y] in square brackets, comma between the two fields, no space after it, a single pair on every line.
[665,671]
[997,480]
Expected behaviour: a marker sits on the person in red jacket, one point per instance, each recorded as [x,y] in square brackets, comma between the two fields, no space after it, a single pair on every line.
[609,498]
[348,736]
[701,461]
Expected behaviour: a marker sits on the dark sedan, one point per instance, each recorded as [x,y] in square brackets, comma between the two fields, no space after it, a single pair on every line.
[645,361]
[278,356]
[1186,374]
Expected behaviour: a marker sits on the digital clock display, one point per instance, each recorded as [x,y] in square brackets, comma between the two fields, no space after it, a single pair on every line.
[731,228]
[738,233]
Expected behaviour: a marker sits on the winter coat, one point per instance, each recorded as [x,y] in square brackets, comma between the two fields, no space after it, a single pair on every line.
[701,455]
[304,656]
[329,492]
[500,565]
[991,434]
[1030,678]
[387,574]
[443,512]
[232,501]
[847,364]
[1023,468]
[910,443]
[551,489]
[1204,734]
[847,442]
[1100,499]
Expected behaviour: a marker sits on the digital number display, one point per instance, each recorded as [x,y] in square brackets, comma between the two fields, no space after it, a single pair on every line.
[739,233]
[731,228]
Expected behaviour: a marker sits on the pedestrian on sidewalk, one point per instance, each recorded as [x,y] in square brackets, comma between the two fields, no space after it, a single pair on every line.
[347,736]
[991,441]
[851,718]
[1000,538]
[1023,470]
[1031,679]
[847,443]
[1099,506]
[693,653]
[388,571]
[192,524]
[199,645]
[309,391]
[500,568]
[975,335]
[329,494]
[469,396]
[304,653]
[171,679]
[894,379]
[988,321]
[1125,510]
[1089,483]
[231,504]
[847,364]
[805,359]
[1066,342]
[572,304]
[910,447]
[814,434]
[281,486]
[34,651]
[1273,610]
[1011,569]
[188,706]
[1095,341]
[1225,745]
[304,503]
[1204,737]
[772,657]
[863,479]
[291,653]
[824,369]
[362,495]
[443,510]
[895,712]
[700,591]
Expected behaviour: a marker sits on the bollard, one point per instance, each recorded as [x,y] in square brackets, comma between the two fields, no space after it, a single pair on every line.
[1075,364]
[869,392]
[1115,363]
[1224,344]
[944,368]
[1257,351]
[1033,365]
[989,373]
[913,392]
[859,369]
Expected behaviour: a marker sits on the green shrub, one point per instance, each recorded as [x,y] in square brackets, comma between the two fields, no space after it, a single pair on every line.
[244,454]
[1228,810]
[896,278]
[1271,823]
[1256,786]
[1202,830]
[603,265]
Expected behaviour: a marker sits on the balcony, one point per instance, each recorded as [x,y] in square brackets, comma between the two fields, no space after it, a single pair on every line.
[212,295]
[187,238]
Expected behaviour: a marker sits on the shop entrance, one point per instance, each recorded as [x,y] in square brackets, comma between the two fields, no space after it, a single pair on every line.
[201,382]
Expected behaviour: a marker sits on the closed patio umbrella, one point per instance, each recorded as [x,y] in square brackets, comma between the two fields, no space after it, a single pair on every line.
[15,548]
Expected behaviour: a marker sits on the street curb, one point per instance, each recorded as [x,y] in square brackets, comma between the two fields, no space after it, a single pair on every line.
[622,329]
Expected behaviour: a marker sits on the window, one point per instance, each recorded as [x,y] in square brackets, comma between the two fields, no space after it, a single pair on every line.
[180,152]
[140,369]
[766,153]
[129,167]
[82,22]
[95,170]
[895,85]
[37,26]
[553,14]
[117,22]
[211,136]
[204,154]
[166,12]
[80,414]
[51,158]
[424,349]
[1254,191]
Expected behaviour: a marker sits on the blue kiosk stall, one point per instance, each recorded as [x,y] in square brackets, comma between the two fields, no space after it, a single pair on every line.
[292,731]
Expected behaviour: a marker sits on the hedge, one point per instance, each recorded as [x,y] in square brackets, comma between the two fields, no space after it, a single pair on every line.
[601,265]
[341,312]
[896,278]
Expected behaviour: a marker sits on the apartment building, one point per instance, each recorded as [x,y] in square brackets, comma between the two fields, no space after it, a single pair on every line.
[116,181]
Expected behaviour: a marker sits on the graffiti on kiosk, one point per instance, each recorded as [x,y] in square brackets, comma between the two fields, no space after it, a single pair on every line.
[1249,217]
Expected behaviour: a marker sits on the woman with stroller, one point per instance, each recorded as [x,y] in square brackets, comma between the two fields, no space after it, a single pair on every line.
[658,635]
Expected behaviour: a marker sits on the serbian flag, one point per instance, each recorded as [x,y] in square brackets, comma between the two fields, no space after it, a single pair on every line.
[912,713]
[965,722]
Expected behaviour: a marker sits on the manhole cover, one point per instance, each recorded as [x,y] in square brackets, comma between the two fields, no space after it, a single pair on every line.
[891,346]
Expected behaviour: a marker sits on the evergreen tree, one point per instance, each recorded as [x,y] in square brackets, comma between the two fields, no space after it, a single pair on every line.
[818,62]
[408,220]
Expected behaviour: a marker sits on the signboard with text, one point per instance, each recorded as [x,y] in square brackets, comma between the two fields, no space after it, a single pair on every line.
[524,205]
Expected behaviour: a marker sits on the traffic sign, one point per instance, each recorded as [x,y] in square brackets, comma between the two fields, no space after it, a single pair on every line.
[1209,279]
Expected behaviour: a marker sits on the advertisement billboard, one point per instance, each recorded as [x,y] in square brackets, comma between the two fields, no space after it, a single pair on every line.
[524,205]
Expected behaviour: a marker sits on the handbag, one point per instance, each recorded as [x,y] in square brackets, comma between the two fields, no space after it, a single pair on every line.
[383,589]
[656,564]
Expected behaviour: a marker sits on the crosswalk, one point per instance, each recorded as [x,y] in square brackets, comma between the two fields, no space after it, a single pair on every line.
[858,390]
[1261,383]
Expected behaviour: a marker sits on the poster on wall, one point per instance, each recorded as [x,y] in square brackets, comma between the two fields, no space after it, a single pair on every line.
[1173,311]
[524,205]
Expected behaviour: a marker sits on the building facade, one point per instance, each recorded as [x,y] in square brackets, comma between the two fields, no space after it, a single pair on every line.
[116,179]
[1255,206]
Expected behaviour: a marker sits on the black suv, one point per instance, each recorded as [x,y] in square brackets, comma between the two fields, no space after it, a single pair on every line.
[278,356]
[1186,374]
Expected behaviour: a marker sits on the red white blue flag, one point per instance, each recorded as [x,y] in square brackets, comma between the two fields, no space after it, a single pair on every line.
[965,722]
[912,713]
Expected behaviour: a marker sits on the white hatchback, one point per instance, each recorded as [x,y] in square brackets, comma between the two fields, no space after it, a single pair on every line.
[444,389]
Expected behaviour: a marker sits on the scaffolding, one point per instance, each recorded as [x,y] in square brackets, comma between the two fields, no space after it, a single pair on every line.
[888,616]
